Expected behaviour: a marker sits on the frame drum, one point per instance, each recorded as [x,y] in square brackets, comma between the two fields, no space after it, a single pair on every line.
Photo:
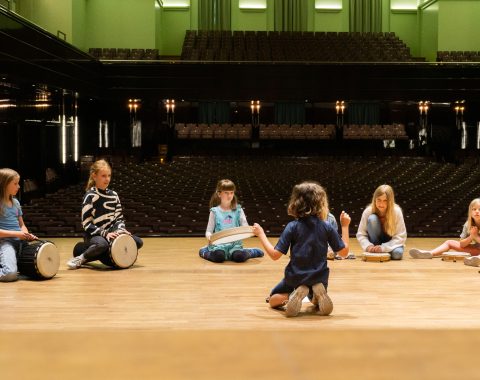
[454,256]
[39,260]
[232,234]
[122,254]
[380,257]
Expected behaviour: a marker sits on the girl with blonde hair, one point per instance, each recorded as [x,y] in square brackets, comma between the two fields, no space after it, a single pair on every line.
[382,228]
[307,238]
[102,217]
[13,232]
[469,239]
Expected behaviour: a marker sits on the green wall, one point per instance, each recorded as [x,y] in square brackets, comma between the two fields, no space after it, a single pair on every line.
[429,30]
[405,26]
[174,23]
[120,24]
[51,15]
[79,17]
[458,25]
[437,25]
[331,21]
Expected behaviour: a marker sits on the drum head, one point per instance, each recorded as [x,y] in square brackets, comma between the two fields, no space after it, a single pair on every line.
[124,251]
[232,234]
[369,256]
[48,260]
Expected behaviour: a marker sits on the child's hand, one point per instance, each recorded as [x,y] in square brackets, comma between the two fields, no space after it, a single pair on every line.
[345,219]
[474,232]
[112,236]
[257,229]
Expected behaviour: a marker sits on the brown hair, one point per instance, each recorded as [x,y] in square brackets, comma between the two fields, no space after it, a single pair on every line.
[224,185]
[6,176]
[94,169]
[308,198]
[389,226]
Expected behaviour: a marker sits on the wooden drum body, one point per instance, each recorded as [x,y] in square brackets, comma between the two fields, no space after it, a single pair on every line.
[231,235]
[454,256]
[122,254]
[39,260]
[378,257]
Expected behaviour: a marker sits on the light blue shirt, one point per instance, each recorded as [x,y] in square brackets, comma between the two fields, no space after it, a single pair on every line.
[9,217]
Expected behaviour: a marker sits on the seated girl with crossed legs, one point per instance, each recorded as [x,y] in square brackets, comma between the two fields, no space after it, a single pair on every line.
[469,239]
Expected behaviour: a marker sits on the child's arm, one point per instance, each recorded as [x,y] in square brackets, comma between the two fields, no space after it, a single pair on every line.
[272,252]
[345,222]
[210,226]
[27,235]
[472,237]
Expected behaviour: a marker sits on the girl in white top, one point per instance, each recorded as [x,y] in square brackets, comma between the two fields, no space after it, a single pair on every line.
[382,228]
[469,239]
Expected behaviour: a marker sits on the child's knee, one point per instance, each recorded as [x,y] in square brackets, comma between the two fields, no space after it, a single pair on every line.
[217,256]
[396,254]
[240,256]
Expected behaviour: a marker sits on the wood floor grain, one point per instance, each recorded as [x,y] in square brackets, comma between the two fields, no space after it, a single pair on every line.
[176,316]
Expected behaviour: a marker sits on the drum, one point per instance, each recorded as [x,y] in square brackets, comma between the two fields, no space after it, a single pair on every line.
[380,257]
[122,253]
[232,234]
[39,260]
[454,256]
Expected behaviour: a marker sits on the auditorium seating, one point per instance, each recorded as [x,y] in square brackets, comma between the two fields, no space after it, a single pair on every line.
[172,199]
[290,132]
[124,54]
[294,46]
[458,56]
[375,132]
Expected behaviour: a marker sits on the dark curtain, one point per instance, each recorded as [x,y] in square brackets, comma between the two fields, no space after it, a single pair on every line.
[365,15]
[214,15]
[291,15]
[290,113]
[363,113]
[214,112]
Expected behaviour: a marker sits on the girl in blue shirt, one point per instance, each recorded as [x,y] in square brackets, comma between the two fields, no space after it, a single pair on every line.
[307,238]
[225,213]
[13,232]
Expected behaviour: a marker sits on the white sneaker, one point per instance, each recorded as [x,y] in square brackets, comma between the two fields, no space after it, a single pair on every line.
[420,254]
[294,304]
[473,261]
[76,262]
[320,296]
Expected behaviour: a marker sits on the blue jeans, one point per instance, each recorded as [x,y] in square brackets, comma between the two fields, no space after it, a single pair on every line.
[377,236]
[8,255]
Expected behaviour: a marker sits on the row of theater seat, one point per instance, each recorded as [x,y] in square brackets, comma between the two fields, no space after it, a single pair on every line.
[458,56]
[293,46]
[173,199]
[287,131]
[376,131]
[124,53]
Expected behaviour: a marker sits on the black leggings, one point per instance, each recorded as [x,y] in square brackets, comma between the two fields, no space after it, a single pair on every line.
[92,248]
[218,256]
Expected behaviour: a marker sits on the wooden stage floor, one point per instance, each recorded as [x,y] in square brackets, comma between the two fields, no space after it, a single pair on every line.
[176,316]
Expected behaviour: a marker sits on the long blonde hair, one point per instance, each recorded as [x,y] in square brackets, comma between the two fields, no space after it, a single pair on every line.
[6,176]
[308,198]
[224,185]
[470,222]
[94,169]
[390,225]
